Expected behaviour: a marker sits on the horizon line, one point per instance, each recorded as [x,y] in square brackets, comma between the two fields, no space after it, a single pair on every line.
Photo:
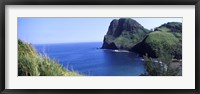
[64,42]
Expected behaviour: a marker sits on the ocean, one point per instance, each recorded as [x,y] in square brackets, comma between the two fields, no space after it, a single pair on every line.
[88,59]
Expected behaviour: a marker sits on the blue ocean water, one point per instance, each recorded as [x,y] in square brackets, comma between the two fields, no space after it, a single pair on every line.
[87,59]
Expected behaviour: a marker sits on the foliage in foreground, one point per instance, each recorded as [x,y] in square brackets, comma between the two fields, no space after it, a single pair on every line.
[160,69]
[32,64]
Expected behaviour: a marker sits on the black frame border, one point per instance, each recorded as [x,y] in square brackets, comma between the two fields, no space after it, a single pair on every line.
[3,3]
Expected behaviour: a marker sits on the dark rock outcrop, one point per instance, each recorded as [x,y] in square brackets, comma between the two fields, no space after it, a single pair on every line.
[143,48]
[124,33]
[123,24]
[109,46]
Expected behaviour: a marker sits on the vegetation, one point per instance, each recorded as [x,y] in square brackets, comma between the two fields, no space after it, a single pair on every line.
[174,28]
[32,64]
[171,27]
[166,44]
[161,68]
[163,44]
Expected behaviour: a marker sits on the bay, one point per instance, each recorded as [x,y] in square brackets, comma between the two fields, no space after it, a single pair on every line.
[88,59]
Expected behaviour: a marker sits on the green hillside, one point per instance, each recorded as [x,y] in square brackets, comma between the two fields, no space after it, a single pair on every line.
[167,40]
[31,63]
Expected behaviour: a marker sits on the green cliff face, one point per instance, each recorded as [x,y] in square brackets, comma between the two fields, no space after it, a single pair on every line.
[124,34]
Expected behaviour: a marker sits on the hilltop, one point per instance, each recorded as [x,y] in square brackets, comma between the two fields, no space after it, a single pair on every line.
[128,34]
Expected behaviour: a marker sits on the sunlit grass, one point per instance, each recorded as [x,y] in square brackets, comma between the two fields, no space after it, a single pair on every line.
[32,64]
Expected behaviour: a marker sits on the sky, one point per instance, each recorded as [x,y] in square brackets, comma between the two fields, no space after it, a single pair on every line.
[70,30]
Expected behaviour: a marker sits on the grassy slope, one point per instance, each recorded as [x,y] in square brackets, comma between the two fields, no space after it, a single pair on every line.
[32,64]
[171,39]
[162,39]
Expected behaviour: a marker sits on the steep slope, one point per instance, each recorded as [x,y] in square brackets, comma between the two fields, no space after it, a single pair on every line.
[32,64]
[166,40]
[123,34]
